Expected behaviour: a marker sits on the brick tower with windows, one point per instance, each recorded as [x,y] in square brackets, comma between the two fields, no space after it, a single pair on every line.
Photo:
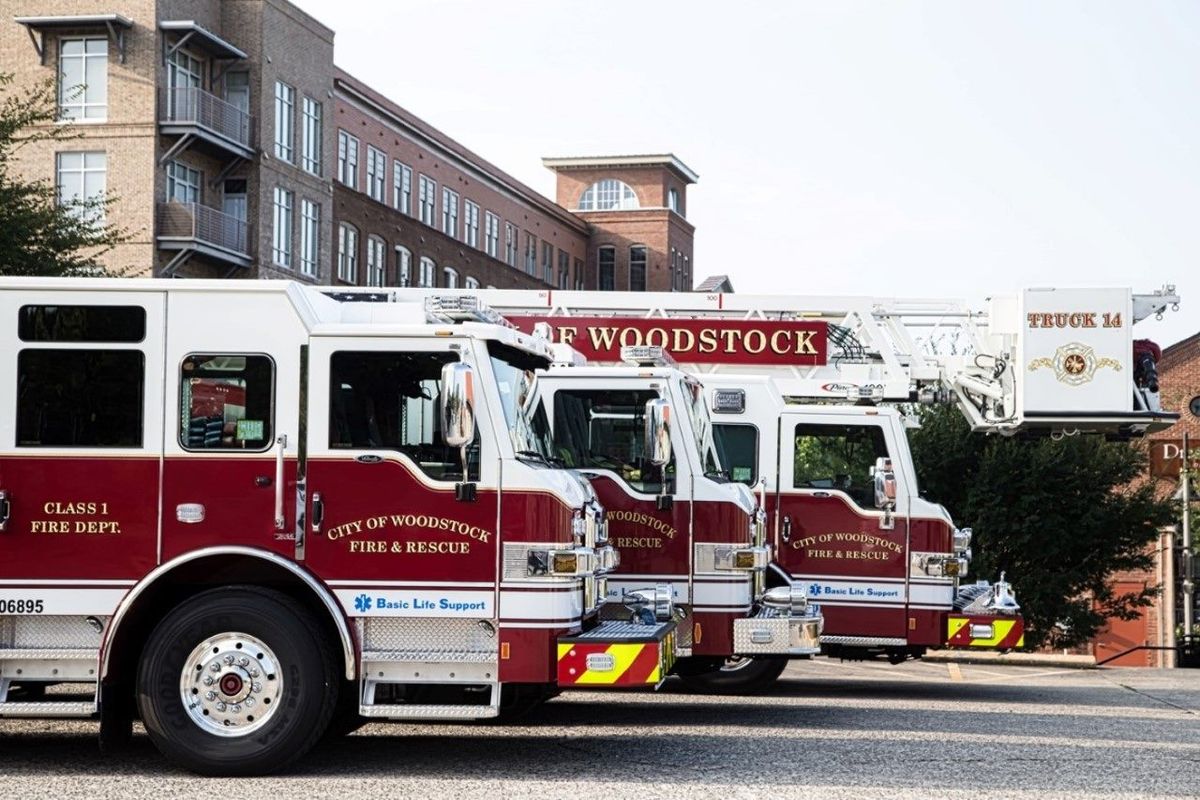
[636,207]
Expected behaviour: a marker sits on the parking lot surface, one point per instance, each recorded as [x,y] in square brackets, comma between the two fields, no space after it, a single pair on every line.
[829,729]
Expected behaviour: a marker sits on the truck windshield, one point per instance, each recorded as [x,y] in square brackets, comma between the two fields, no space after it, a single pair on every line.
[516,380]
[603,429]
[702,427]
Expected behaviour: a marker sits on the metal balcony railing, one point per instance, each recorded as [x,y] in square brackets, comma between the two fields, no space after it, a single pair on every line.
[204,225]
[193,106]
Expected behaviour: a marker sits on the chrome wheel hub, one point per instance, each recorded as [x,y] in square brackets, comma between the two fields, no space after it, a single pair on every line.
[231,684]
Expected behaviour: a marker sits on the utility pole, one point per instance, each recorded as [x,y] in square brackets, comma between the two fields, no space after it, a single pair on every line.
[1189,586]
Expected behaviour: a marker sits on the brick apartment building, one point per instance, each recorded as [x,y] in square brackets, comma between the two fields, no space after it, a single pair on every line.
[1179,381]
[235,148]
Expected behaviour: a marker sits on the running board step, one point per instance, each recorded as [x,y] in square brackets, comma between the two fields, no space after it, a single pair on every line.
[414,711]
[62,709]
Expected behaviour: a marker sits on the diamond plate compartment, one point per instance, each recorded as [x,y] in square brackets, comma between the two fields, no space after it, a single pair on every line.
[50,632]
[793,636]
[427,639]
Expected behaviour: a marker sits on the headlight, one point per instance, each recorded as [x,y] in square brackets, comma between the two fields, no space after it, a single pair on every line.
[579,528]
[962,538]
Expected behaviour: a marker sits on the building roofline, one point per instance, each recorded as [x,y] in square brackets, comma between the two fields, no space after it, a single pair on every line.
[434,138]
[1179,351]
[668,160]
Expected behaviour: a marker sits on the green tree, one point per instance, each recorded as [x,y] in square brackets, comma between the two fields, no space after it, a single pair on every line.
[39,235]
[1059,517]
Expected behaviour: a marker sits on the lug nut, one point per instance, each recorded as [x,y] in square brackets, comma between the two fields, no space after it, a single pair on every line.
[216,666]
[210,696]
[253,673]
[222,707]
[248,702]
[243,661]
[236,708]
[256,687]
[208,680]
[229,660]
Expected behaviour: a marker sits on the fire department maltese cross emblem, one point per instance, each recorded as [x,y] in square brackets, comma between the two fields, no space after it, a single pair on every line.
[1074,364]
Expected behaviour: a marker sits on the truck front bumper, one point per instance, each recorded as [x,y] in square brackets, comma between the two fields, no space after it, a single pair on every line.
[617,654]
[791,635]
[985,631]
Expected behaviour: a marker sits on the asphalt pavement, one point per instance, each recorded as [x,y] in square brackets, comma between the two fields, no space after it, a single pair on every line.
[829,730]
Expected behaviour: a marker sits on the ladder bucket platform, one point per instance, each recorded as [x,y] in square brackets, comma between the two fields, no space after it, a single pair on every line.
[617,654]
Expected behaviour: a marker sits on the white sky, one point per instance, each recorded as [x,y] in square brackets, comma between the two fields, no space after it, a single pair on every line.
[910,148]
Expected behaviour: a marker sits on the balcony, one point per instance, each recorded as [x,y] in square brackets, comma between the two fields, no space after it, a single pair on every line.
[196,114]
[193,229]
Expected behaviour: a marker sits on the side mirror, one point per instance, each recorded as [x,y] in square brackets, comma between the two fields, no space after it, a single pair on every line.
[458,417]
[885,483]
[885,490]
[658,432]
[458,404]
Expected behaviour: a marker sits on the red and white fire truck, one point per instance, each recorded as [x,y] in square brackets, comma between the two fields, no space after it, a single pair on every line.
[675,518]
[242,509]
[795,384]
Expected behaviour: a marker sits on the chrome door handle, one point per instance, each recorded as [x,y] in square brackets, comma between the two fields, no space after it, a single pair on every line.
[786,534]
[318,512]
[5,509]
[279,518]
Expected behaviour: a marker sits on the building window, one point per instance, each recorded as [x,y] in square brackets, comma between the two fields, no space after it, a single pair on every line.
[472,283]
[83,79]
[564,270]
[348,159]
[606,258]
[451,278]
[402,187]
[375,262]
[531,253]
[183,79]
[285,105]
[578,274]
[347,253]
[310,149]
[491,234]
[183,183]
[82,179]
[637,268]
[450,212]
[510,244]
[281,242]
[427,197]
[673,201]
[310,237]
[548,263]
[376,167]
[608,195]
[425,272]
[471,224]
[674,270]
[403,267]
[687,275]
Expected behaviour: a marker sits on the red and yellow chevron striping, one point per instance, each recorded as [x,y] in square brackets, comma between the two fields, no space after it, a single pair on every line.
[614,664]
[993,633]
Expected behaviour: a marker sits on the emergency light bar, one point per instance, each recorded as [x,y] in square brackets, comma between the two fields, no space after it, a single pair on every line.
[462,308]
[644,355]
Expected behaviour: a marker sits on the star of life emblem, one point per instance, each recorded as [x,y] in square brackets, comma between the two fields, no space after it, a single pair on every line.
[1074,364]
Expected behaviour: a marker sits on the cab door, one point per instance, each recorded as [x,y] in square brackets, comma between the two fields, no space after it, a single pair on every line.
[850,556]
[80,447]
[386,528]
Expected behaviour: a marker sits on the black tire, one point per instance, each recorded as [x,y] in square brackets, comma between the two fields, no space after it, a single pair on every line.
[304,697]
[740,676]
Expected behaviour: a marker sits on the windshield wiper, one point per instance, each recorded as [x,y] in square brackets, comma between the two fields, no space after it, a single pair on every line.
[550,461]
[718,474]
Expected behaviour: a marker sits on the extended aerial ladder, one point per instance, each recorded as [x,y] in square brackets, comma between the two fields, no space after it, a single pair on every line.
[1061,361]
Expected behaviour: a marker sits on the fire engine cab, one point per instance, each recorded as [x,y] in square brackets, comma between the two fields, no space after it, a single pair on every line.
[803,392]
[240,510]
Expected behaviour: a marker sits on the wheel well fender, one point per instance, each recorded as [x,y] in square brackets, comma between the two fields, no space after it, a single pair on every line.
[182,577]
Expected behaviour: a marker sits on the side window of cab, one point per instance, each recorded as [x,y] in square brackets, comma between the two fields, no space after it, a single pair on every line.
[838,458]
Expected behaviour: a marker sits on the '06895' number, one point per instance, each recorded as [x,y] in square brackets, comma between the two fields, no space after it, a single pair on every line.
[21,606]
